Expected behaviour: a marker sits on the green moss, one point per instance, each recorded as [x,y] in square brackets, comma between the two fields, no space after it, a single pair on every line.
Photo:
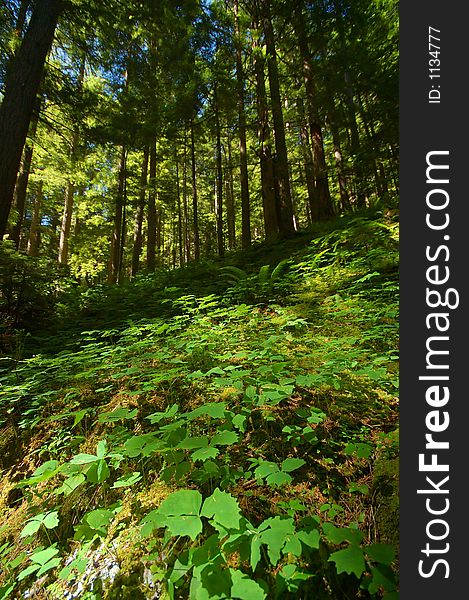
[386,498]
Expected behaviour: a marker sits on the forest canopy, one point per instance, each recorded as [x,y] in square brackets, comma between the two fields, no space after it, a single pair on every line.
[153,133]
[199,229]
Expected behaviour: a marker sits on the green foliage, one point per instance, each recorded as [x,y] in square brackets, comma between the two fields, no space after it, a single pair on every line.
[228,446]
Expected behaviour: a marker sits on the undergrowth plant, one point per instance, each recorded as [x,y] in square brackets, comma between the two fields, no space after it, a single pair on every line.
[224,447]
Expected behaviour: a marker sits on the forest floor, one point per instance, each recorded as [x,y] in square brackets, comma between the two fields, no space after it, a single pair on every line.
[223,430]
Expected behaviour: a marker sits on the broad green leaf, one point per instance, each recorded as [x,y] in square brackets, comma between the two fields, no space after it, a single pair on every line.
[190,525]
[244,588]
[99,519]
[337,535]
[291,464]
[191,443]
[168,413]
[350,560]
[224,438]
[70,484]
[101,449]
[256,544]
[276,535]
[49,520]
[182,502]
[83,459]
[310,538]
[204,454]
[44,556]
[25,572]
[265,468]
[382,553]
[216,410]
[46,468]
[118,414]
[223,508]
[279,478]
[127,480]
[361,450]
[55,562]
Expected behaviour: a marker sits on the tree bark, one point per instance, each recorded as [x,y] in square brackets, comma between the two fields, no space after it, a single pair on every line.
[323,207]
[269,200]
[230,201]
[286,225]
[219,181]
[21,88]
[34,239]
[179,215]
[194,197]
[117,241]
[151,211]
[21,187]
[243,160]
[138,237]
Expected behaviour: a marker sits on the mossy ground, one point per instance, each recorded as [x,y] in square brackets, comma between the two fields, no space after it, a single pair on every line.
[323,337]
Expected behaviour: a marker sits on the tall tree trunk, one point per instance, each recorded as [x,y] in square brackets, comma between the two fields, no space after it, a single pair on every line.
[243,159]
[308,161]
[34,239]
[194,197]
[151,211]
[187,239]
[117,241]
[138,225]
[230,200]
[323,204]
[179,215]
[21,187]
[269,200]
[21,88]
[70,186]
[286,225]
[339,165]
[219,181]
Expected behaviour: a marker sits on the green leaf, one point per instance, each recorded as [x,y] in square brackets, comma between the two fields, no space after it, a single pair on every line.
[291,464]
[190,525]
[216,410]
[99,519]
[127,480]
[310,538]
[182,502]
[55,562]
[350,560]
[83,459]
[223,508]
[381,553]
[361,450]
[25,572]
[204,454]
[244,587]
[70,484]
[279,530]
[118,414]
[265,468]
[44,556]
[279,478]
[101,449]
[337,535]
[224,438]
[168,413]
[191,443]
[49,520]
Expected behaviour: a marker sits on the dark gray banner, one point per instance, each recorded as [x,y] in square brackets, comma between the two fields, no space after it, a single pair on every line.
[433,398]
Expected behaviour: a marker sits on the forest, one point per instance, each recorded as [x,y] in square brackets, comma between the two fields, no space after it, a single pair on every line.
[199,254]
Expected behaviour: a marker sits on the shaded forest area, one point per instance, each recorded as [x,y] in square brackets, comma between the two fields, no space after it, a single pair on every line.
[199,299]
